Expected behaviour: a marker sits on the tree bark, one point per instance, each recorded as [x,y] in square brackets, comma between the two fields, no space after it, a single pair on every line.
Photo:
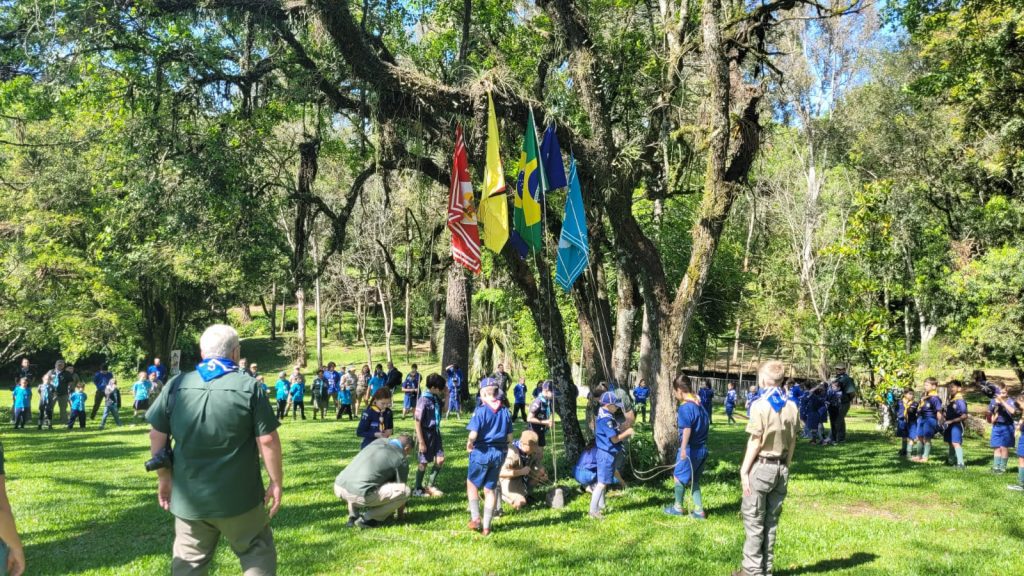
[456,321]
[319,324]
[300,315]
[625,323]
[435,319]
[246,313]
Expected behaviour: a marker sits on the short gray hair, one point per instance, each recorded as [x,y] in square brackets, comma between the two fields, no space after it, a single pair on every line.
[219,340]
[771,373]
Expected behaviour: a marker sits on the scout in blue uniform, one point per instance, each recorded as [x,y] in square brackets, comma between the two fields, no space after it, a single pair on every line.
[319,391]
[539,417]
[817,411]
[730,402]
[333,378]
[1001,411]
[297,396]
[693,423]
[410,391]
[927,418]
[707,394]
[377,420]
[77,401]
[519,397]
[1019,486]
[752,394]
[585,470]
[906,422]
[609,443]
[954,416]
[640,395]
[428,434]
[454,380]
[490,431]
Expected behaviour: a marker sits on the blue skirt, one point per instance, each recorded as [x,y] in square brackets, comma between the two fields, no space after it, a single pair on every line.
[927,427]
[1002,436]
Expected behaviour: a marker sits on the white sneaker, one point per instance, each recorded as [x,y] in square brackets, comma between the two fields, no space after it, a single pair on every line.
[1015,487]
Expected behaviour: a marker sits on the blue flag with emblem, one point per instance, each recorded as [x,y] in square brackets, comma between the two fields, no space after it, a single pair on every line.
[573,245]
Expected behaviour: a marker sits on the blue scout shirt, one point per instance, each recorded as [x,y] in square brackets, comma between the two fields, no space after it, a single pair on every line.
[730,398]
[78,401]
[519,391]
[101,379]
[706,394]
[141,390]
[281,389]
[930,406]
[492,427]
[428,414]
[690,415]
[333,378]
[1001,415]
[411,382]
[641,393]
[373,421]
[161,372]
[22,398]
[956,408]
[297,391]
[605,429]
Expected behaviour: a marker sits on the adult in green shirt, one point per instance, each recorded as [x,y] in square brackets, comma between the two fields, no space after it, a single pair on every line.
[222,424]
[376,481]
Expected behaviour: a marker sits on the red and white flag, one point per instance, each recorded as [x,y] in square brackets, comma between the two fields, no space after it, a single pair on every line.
[461,215]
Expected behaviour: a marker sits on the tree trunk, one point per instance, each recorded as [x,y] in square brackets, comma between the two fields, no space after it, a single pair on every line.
[270,314]
[246,313]
[319,324]
[408,323]
[284,311]
[650,358]
[590,361]
[625,322]
[300,326]
[456,321]
[435,319]
[387,311]
[1017,369]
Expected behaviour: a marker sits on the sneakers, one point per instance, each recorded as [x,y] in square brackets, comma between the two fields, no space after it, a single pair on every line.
[433,492]
[673,511]
[418,493]
[351,522]
[474,525]
[698,515]
[365,523]
[1015,487]
[999,470]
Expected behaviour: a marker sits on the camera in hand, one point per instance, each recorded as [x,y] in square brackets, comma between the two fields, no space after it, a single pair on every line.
[162,459]
[988,389]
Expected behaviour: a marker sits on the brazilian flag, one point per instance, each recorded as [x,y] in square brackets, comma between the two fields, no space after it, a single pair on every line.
[530,186]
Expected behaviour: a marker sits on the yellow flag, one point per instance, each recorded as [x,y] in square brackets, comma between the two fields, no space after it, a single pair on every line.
[493,201]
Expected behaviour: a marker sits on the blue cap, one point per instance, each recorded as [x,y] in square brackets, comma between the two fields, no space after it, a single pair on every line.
[547,385]
[610,398]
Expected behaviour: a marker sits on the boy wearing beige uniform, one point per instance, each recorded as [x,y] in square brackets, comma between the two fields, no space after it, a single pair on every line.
[773,428]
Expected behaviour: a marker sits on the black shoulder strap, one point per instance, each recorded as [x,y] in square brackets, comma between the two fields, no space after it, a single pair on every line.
[172,395]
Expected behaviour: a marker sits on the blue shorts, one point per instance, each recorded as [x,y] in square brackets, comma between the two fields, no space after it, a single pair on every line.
[1002,436]
[453,403]
[1020,447]
[605,467]
[927,427]
[691,469]
[954,433]
[729,408]
[484,467]
[410,401]
[902,429]
[586,477]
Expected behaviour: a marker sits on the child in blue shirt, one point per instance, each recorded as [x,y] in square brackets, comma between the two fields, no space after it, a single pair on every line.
[410,391]
[377,420]
[297,396]
[519,397]
[539,417]
[140,390]
[454,381]
[333,378]
[707,395]
[22,402]
[345,395]
[112,404]
[428,435]
[693,423]
[1001,410]
[281,388]
[47,398]
[817,410]
[928,418]
[730,402]
[955,413]
[490,431]
[609,443]
[752,394]
[585,471]
[640,395]
[376,381]
[77,401]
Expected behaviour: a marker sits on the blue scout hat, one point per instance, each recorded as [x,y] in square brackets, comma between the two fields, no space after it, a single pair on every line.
[610,398]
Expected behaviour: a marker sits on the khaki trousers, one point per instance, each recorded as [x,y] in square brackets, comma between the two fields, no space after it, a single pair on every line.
[380,503]
[760,512]
[248,534]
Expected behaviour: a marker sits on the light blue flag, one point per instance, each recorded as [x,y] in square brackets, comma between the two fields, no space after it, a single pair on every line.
[573,246]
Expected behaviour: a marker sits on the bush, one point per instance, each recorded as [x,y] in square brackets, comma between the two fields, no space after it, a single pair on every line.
[292,351]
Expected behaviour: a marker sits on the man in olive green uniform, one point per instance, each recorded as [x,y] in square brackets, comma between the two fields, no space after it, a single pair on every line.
[222,424]
[376,481]
[773,427]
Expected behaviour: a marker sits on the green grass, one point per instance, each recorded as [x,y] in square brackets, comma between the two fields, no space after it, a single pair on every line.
[85,506]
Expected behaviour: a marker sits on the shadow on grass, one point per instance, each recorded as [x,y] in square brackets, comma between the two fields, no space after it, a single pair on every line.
[830,565]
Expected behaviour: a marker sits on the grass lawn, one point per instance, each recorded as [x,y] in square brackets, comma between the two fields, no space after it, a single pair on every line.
[85,505]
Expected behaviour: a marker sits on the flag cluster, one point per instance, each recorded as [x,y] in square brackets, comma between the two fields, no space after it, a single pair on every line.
[541,171]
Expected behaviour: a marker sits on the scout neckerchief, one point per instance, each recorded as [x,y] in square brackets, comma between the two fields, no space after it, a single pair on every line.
[213,368]
[437,406]
[380,417]
[691,398]
[775,399]
[927,395]
[907,403]
[492,403]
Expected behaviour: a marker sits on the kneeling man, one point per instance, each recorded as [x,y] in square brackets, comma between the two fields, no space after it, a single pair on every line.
[375,481]
[522,469]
